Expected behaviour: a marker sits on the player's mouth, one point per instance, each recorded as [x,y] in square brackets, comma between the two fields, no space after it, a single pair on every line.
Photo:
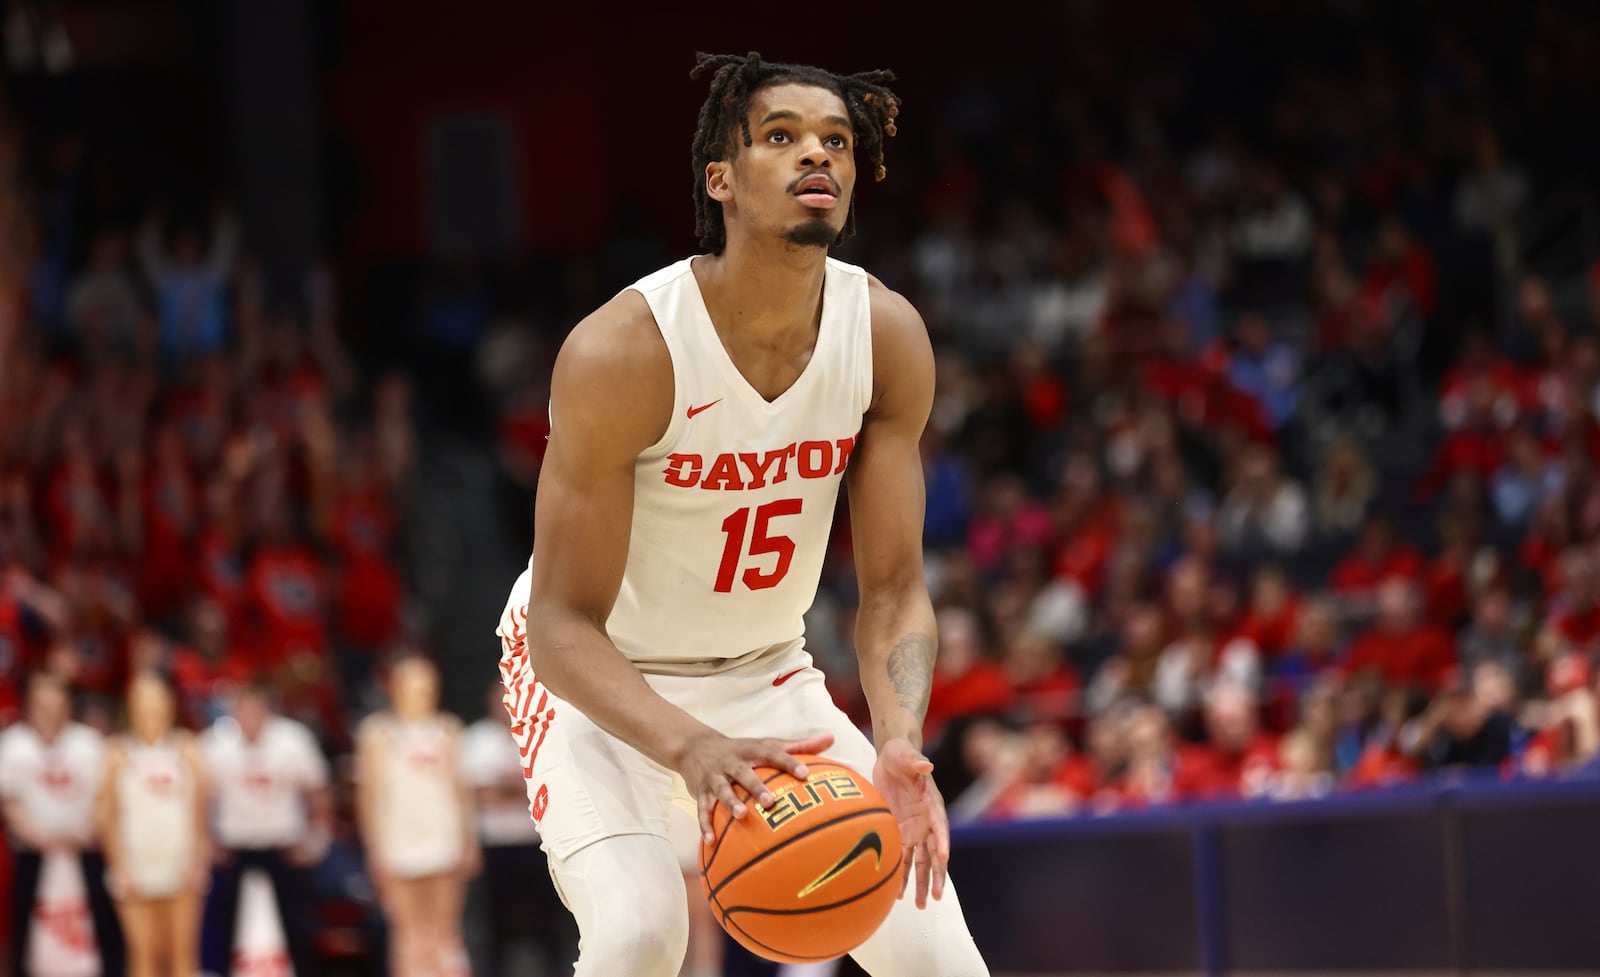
[818,191]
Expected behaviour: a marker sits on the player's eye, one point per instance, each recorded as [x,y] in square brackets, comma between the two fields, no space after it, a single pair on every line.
[838,142]
[777,137]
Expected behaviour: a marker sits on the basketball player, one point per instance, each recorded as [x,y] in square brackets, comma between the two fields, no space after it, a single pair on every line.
[702,422]
[153,811]
[414,808]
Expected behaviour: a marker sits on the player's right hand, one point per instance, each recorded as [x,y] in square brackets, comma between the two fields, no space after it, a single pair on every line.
[712,763]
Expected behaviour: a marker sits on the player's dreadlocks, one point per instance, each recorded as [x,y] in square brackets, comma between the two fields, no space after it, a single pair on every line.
[871,106]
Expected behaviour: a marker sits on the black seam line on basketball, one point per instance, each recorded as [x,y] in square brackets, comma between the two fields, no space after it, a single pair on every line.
[728,920]
[847,900]
[716,846]
[804,834]
[768,946]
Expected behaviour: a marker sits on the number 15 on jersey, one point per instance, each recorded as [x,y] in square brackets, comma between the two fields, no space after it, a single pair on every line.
[761,543]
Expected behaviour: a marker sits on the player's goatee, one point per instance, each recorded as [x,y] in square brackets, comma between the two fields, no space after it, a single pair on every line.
[815,233]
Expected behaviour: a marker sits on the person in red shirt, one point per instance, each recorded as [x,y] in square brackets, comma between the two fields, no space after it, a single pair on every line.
[1575,611]
[1404,649]
[1480,361]
[30,613]
[1377,556]
[77,501]
[1478,446]
[1401,269]
[168,518]
[91,650]
[1548,537]
[964,681]
[1043,683]
[1238,758]
[361,529]
[286,594]
[1147,778]
[1462,564]
[1274,611]
[208,670]
[1087,525]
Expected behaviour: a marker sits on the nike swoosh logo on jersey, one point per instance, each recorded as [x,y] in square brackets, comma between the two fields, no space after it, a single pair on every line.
[695,410]
[869,842]
[786,676]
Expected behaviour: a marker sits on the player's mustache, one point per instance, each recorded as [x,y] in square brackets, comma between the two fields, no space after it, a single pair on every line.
[794,187]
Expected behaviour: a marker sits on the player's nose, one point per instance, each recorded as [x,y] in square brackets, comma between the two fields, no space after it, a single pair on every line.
[814,154]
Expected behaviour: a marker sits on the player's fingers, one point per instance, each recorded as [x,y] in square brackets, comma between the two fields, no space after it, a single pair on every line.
[724,794]
[924,873]
[908,855]
[941,867]
[708,803]
[746,777]
[777,754]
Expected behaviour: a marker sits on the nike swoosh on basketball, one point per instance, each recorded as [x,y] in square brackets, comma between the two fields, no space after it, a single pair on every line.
[695,410]
[786,676]
[869,842]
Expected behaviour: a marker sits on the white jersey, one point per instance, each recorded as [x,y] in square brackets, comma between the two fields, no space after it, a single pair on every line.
[419,809]
[54,784]
[260,785]
[156,816]
[733,506]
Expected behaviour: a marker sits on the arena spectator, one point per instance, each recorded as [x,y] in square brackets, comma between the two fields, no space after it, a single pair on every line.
[1400,644]
[1466,725]
[50,780]
[965,681]
[272,814]
[1237,758]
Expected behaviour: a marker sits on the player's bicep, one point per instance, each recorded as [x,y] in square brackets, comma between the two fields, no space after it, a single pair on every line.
[582,520]
[887,493]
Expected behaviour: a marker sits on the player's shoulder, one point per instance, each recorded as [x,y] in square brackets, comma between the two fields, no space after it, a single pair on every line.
[621,337]
[893,313]
[614,373]
[902,353]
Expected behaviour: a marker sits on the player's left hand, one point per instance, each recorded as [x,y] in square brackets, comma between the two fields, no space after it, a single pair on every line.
[903,776]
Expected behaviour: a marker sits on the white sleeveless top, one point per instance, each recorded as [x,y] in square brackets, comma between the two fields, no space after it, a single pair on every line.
[155,817]
[419,819]
[733,506]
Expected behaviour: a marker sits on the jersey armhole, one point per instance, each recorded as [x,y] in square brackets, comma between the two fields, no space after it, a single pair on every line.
[868,376]
[679,405]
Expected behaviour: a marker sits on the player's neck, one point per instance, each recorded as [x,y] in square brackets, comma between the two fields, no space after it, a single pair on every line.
[764,288]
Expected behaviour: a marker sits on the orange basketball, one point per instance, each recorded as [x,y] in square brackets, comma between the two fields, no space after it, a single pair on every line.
[812,876]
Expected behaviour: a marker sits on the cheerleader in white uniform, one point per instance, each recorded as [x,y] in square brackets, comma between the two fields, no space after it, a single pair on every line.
[154,831]
[415,815]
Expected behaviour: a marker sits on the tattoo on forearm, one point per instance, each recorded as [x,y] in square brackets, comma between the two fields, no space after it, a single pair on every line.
[911,671]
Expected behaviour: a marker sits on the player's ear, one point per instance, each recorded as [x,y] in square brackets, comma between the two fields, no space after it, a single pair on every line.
[719,180]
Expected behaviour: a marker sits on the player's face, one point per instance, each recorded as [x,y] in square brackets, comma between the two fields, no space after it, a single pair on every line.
[796,178]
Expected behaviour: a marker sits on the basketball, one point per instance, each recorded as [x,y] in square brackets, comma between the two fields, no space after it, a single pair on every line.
[812,876]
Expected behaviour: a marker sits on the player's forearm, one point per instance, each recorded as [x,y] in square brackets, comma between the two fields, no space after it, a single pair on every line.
[896,647]
[576,661]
